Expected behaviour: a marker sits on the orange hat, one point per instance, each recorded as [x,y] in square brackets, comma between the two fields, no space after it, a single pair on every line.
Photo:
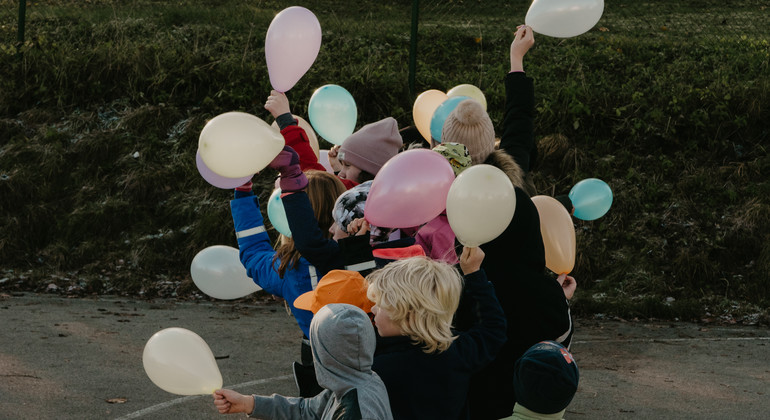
[337,286]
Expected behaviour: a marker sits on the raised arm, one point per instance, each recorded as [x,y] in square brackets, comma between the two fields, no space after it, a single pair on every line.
[518,133]
[294,135]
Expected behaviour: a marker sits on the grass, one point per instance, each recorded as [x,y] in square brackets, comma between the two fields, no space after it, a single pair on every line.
[101,107]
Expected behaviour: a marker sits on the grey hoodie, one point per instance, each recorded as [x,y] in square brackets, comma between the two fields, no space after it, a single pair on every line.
[342,339]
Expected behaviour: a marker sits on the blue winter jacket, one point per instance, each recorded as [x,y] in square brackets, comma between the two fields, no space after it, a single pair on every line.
[257,256]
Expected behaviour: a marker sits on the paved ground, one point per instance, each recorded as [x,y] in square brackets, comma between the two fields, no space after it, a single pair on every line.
[82,359]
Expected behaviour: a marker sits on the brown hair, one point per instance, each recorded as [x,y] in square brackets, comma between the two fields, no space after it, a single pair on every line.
[322,191]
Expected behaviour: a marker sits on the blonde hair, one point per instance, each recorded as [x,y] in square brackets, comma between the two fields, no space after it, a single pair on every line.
[421,296]
[322,190]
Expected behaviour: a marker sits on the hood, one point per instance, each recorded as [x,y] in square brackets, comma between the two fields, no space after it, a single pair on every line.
[343,340]
[503,161]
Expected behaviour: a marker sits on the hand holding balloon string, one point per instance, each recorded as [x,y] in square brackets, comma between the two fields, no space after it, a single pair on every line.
[228,401]
[470,259]
[568,284]
[358,227]
[522,42]
[278,105]
[333,161]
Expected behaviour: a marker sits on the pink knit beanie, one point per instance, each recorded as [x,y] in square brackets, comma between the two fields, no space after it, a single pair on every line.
[469,124]
[371,146]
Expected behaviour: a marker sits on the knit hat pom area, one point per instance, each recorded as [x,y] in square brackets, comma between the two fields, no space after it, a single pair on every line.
[469,112]
[469,124]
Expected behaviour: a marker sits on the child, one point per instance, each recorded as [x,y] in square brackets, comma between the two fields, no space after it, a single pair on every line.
[282,271]
[426,367]
[364,152]
[313,242]
[343,342]
[546,378]
[436,237]
[534,302]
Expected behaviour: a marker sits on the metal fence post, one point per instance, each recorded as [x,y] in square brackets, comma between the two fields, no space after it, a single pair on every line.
[413,46]
[20,34]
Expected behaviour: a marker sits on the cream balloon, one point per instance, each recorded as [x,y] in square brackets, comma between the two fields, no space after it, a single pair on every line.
[311,136]
[564,18]
[470,91]
[424,107]
[558,234]
[237,144]
[480,204]
[180,362]
[218,272]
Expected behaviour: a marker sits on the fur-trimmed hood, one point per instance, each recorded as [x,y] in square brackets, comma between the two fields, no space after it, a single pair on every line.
[503,161]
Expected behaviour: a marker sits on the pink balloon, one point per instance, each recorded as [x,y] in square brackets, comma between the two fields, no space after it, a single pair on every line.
[409,190]
[323,159]
[291,46]
[218,180]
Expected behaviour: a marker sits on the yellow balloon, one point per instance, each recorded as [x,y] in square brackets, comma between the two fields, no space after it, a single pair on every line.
[237,144]
[558,234]
[424,107]
[178,361]
[480,204]
[311,136]
[470,91]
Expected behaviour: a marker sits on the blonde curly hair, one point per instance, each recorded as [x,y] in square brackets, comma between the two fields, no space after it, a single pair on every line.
[421,296]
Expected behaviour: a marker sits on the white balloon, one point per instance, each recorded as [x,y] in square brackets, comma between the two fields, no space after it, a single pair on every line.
[218,272]
[237,144]
[480,204]
[470,91]
[564,18]
[178,361]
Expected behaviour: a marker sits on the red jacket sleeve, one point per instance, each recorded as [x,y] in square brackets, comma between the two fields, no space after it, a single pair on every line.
[296,137]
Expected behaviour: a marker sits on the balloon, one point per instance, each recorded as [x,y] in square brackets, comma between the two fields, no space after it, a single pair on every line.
[216,180]
[312,138]
[480,204]
[558,234]
[564,18]
[470,91]
[218,272]
[291,46]
[333,113]
[237,144]
[324,161]
[440,115]
[591,198]
[277,214]
[178,361]
[424,107]
[409,190]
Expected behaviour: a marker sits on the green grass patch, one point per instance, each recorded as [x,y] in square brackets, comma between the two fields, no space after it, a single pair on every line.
[102,105]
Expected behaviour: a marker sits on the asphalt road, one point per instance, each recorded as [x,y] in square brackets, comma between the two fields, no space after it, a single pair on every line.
[82,359]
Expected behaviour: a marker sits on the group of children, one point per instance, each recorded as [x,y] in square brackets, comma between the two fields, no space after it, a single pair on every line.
[391,329]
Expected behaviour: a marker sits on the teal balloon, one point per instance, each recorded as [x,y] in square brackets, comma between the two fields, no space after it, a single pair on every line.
[591,198]
[440,115]
[333,113]
[276,214]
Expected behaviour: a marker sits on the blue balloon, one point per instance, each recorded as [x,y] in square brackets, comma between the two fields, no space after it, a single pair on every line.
[591,198]
[333,113]
[277,214]
[440,114]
